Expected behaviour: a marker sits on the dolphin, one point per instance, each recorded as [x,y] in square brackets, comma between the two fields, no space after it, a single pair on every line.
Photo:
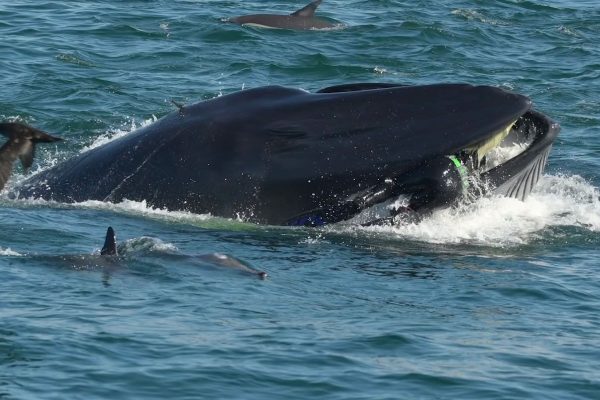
[110,252]
[109,260]
[303,19]
[284,156]
[20,144]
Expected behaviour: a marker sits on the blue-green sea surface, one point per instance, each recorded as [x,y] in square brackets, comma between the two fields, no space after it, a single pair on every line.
[499,300]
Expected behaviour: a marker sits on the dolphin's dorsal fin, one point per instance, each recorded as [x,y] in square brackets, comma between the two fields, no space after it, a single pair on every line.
[110,243]
[308,10]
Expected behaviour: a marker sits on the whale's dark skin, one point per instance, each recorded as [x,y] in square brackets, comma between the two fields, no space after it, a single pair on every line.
[273,153]
[303,19]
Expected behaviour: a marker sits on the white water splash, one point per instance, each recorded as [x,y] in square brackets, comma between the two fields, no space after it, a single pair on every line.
[335,27]
[14,118]
[165,28]
[9,252]
[501,221]
[490,221]
[474,15]
[138,209]
[569,31]
[118,133]
[141,208]
[145,244]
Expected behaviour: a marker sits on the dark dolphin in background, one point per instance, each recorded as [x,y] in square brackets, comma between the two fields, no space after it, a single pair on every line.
[277,155]
[20,144]
[303,19]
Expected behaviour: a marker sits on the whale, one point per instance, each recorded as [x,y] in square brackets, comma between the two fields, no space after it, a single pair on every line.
[302,19]
[284,156]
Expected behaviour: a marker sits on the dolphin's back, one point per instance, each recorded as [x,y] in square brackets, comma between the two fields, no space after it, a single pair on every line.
[302,19]
[283,22]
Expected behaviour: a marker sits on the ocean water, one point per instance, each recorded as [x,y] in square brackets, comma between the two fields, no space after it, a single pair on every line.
[498,300]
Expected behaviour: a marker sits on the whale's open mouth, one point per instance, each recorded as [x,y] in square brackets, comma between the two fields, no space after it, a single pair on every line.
[514,166]
[508,162]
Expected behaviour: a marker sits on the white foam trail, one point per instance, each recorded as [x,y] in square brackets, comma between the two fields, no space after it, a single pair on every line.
[491,221]
[500,221]
[334,27]
[141,208]
[474,15]
[8,252]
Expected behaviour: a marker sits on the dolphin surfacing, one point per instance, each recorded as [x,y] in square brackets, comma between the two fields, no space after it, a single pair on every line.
[302,19]
[283,156]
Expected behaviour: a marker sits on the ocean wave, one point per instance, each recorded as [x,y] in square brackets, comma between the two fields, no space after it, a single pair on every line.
[474,15]
[144,245]
[558,200]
